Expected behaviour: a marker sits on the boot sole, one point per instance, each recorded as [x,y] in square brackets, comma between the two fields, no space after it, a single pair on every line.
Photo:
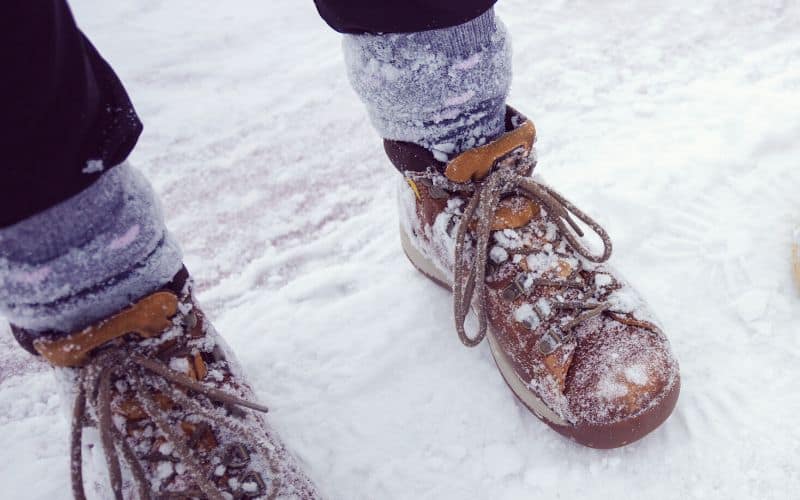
[602,436]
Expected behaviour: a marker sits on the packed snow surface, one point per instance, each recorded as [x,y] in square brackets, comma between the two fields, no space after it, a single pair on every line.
[676,124]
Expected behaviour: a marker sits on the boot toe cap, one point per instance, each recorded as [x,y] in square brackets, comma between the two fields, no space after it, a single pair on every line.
[623,382]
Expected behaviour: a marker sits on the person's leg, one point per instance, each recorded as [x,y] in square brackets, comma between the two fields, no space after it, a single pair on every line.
[436,75]
[66,117]
[81,234]
[571,338]
[93,282]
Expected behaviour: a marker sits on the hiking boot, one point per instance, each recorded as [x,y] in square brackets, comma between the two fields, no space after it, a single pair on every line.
[160,408]
[574,342]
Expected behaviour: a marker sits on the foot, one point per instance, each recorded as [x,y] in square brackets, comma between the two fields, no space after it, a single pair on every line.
[161,410]
[574,342]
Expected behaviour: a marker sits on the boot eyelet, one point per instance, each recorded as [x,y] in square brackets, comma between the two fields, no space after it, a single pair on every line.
[253,477]
[552,340]
[237,456]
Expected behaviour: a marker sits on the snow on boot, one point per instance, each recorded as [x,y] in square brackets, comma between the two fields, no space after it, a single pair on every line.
[160,408]
[574,342]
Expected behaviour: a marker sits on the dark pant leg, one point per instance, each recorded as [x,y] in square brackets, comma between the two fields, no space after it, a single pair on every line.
[63,109]
[398,16]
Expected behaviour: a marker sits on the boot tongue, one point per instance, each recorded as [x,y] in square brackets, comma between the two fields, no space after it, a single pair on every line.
[476,163]
[515,212]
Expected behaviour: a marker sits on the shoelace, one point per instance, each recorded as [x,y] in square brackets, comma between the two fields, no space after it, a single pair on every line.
[469,276]
[146,375]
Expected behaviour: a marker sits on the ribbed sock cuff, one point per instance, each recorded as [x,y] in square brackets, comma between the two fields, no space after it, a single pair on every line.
[462,40]
[443,89]
[87,257]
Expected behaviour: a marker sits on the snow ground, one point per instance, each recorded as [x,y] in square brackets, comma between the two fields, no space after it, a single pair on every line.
[676,124]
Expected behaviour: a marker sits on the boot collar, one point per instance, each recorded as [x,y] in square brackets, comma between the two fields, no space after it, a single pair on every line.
[410,157]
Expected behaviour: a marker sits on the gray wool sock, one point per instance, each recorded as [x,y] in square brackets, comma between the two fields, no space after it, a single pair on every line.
[87,257]
[443,89]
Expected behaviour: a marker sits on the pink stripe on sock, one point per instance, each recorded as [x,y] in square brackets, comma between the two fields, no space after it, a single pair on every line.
[468,63]
[126,239]
[460,99]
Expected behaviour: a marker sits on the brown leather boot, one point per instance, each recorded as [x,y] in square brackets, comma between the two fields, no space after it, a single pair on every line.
[161,410]
[573,341]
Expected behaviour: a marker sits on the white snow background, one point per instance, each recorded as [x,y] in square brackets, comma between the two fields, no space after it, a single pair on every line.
[676,124]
